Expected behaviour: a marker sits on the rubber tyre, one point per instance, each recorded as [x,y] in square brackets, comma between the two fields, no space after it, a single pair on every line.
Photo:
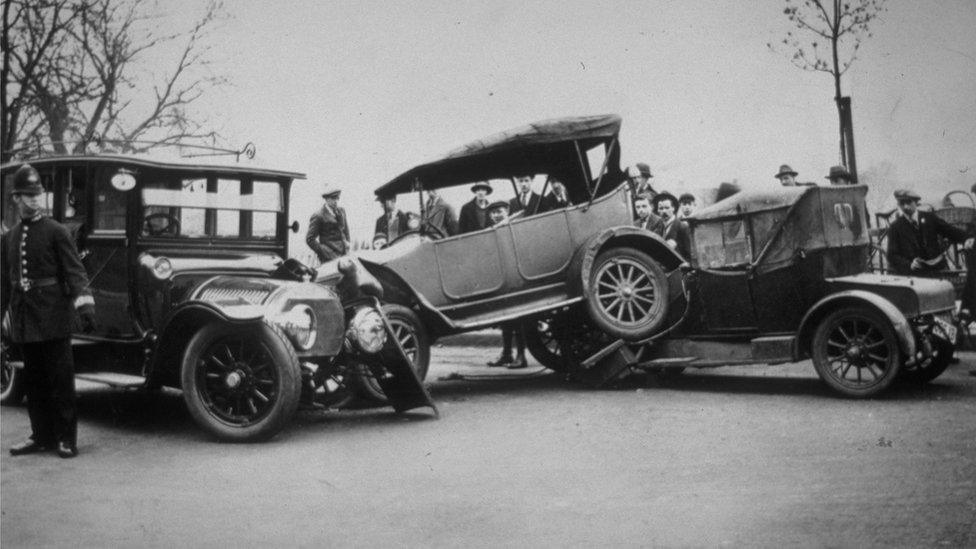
[614,303]
[12,387]
[931,367]
[213,378]
[413,337]
[869,335]
[542,343]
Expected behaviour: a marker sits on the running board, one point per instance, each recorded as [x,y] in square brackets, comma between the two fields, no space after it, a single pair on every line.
[113,379]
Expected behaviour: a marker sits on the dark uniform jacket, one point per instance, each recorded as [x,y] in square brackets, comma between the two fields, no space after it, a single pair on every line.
[328,233]
[532,208]
[679,232]
[383,226]
[472,217]
[39,253]
[441,215]
[906,242]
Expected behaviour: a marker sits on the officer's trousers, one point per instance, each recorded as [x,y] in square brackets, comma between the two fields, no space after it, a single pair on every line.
[49,381]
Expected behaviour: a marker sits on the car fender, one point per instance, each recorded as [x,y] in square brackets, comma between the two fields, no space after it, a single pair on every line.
[180,325]
[640,239]
[903,331]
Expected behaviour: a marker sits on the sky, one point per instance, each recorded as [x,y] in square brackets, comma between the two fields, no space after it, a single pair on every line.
[354,93]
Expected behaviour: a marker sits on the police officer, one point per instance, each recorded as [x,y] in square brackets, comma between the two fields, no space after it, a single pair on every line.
[45,284]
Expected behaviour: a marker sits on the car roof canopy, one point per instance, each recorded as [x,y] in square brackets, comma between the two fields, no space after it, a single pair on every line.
[769,228]
[540,147]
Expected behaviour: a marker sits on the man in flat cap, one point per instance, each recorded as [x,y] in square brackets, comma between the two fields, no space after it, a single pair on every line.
[474,214]
[786,176]
[913,238]
[838,175]
[328,231]
[45,287]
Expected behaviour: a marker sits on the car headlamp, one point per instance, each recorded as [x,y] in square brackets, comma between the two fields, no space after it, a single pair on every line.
[298,323]
[366,330]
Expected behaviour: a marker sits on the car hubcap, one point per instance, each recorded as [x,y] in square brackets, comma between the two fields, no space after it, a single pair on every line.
[626,292]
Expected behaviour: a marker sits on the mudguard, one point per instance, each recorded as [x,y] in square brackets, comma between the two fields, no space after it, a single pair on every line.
[624,235]
[820,309]
[392,370]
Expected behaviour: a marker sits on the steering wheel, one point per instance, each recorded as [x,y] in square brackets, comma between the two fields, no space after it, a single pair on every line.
[403,236]
[172,225]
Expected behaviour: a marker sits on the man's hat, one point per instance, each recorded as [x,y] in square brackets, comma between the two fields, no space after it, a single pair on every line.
[27,181]
[329,190]
[644,169]
[838,171]
[482,185]
[687,197]
[906,194]
[785,169]
[385,196]
[661,197]
[498,204]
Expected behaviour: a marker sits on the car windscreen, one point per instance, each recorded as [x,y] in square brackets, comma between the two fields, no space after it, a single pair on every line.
[208,207]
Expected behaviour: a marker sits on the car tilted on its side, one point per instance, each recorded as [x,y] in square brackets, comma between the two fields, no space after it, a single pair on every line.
[775,276]
[187,266]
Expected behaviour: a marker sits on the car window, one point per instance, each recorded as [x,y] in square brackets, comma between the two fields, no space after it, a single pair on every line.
[110,203]
[221,208]
[722,244]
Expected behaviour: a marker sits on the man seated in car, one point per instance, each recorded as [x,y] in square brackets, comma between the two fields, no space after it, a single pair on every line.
[673,230]
[525,199]
[393,222]
[498,213]
[556,199]
[474,214]
[646,219]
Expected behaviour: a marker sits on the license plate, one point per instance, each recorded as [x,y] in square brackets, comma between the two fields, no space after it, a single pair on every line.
[947,328]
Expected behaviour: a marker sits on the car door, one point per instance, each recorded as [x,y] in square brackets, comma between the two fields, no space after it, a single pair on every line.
[469,265]
[543,245]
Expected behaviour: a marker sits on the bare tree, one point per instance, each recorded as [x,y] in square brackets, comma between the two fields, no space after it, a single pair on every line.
[70,75]
[826,38]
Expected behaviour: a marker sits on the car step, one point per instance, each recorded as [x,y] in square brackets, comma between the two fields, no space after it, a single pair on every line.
[113,379]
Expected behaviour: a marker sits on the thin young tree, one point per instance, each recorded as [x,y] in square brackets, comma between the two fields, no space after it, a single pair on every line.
[826,37]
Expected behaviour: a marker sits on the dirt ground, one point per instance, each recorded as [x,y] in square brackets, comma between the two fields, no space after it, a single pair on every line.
[746,456]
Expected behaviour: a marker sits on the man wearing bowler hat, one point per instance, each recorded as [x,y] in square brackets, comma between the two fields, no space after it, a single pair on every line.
[913,238]
[393,222]
[328,231]
[45,287]
[786,176]
[474,214]
[839,175]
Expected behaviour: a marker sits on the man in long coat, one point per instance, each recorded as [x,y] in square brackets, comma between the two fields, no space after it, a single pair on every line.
[440,215]
[328,231]
[45,288]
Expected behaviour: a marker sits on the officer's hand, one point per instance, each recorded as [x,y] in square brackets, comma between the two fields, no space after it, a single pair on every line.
[88,323]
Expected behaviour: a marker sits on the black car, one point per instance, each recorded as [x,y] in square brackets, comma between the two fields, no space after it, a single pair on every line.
[187,264]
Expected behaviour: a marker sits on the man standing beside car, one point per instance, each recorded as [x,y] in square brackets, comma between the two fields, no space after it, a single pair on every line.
[913,238]
[393,222]
[46,286]
[646,219]
[440,216]
[525,199]
[474,214]
[328,231]
[673,230]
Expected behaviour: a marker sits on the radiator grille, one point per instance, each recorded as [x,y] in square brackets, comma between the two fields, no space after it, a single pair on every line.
[254,297]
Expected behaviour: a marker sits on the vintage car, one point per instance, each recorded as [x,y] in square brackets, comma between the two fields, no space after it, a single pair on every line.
[192,289]
[774,276]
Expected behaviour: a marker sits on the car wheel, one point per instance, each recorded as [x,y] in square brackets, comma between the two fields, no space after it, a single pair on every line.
[11,379]
[541,341]
[412,335]
[927,368]
[241,383]
[855,352]
[628,295]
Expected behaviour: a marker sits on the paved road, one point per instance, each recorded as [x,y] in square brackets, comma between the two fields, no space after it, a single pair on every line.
[757,456]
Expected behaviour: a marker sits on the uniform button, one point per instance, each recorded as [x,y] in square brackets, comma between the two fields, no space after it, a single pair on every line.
[25,263]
